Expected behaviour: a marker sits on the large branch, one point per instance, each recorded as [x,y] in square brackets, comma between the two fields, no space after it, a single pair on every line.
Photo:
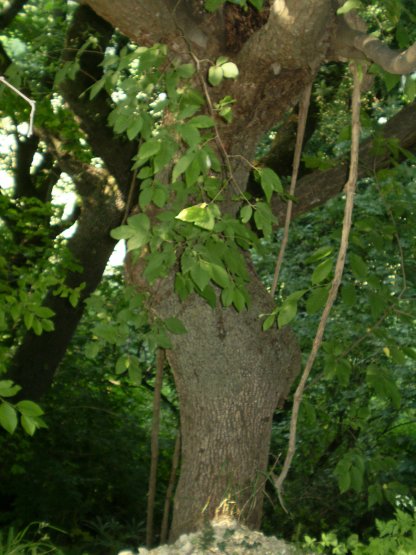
[350,42]
[168,21]
[316,188]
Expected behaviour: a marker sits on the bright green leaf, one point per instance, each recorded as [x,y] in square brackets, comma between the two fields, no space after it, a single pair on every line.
[246,213]
[8,388]
[215,75]
[28,424]
[29,408]
[348,6]
[200,215]
[287,312]
[230,70]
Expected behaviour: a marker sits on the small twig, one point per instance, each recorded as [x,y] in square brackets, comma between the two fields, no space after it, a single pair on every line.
[151,495]
[31,102]
[346,227]
[303,115]
[171,487]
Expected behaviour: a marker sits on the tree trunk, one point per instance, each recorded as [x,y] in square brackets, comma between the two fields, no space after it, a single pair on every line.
[230,376]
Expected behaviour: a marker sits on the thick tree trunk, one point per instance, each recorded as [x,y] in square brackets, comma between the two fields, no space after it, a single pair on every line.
[230,377]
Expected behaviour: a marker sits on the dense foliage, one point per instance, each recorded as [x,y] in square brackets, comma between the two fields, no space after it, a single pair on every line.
[80,459]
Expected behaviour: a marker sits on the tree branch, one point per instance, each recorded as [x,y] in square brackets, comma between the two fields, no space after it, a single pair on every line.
[356,44]
[316,188]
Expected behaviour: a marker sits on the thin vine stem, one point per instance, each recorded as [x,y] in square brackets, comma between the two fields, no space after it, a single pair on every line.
[303,116]
[350,188]
[32,103]
[151,495]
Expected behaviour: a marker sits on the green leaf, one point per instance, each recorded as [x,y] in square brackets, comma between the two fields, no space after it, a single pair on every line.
[383,384]
[264,218]
[287,312]
[135,127]
[28,424]
[96,88]
[138,227]
[200,215]
[182,165]
[348,6]
[37,327]
[239,300]
[202,122]
[145,198]
[246,213]
[200,275]
[28,319]
[269,322]
[122,364]
[185,71]
[220,276]
[160,196]
[270,182]
[215,75]
[319,254]
[29,408]
[189,134]
[121,232]
[358,267]
[322,271]
[43,311]
[135,372]
[316,300]
[296,295]
[8,389]
[342,472]
[92,349]
[183,286]
[192,172]
[174,325]
[230,70]
[148,150]
[8,417]
[227,296]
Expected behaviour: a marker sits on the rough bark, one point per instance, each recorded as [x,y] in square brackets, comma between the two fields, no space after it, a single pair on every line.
[230,377]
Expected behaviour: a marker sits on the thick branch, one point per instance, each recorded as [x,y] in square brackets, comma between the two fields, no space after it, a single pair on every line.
[354,43]
[318,187]
[93,114]
[164,21]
